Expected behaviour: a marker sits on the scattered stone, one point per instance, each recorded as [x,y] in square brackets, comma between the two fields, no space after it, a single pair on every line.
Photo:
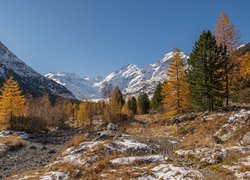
[106,134]
[43,148]
[184,117]
[52,151]
[206,156]
[235,121]
[138,159]
[21,134]
[112,127]
[33,147]
[3,147]
[171,172]
[246,138]
[55,175]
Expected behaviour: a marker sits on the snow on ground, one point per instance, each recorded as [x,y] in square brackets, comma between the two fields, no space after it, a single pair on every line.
[171,172]
[236,168]
[74,155]
[21,134]
[235,121]
[80,156]
[138,159]
[125,143]
[213,155]
[47,176]
[55,175]
[206,155]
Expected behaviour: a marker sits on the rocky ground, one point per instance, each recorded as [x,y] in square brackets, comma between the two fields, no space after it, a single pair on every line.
[193,146]
[38,151]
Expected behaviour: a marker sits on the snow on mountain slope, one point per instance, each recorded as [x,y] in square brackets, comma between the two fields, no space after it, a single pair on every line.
[131,79]
[31,81]
[82,88]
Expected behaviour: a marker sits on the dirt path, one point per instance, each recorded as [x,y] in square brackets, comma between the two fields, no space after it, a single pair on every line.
[38,151]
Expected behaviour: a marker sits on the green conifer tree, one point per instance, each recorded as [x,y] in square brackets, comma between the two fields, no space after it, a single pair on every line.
[143,104]
[156,101]
[132,104]
[206,74]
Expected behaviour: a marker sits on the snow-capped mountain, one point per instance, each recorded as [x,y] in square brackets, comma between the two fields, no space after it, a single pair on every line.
[131,79]
[31,81]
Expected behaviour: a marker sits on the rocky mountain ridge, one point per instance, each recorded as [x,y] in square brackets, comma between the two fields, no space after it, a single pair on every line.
[31,81]
[131,79]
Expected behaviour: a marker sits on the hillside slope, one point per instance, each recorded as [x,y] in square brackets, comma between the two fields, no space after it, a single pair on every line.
[31,81]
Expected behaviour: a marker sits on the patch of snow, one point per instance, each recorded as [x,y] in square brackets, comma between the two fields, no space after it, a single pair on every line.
[74,155]
[235,121]
[209,156]
[55,176]
[136,159]
[124,143]
[236,168]
[171,172]
[21,134]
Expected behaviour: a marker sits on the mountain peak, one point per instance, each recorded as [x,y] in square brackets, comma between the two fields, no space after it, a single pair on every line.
[131,79]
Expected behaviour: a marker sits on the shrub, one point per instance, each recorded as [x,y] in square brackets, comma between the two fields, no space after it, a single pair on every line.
[13,142]
[27,124]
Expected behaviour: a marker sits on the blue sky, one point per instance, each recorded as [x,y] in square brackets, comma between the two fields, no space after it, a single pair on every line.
[96,37]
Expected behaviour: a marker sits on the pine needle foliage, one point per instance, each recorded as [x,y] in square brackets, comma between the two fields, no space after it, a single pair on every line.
[206,73]
[156,101]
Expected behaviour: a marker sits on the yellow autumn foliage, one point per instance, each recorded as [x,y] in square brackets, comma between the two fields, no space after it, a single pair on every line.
[12,103]
[175,88]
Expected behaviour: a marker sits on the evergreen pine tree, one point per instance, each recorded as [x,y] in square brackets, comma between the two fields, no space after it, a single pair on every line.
[156,101]
[132,104]
[175,89]
[143,104]
[12,102]
[206,73]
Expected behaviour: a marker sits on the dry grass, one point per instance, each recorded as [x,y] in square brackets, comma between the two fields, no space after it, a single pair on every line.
[13,142]
[244,168]
[153,128]
[73,142]
[238,135]
[198,133]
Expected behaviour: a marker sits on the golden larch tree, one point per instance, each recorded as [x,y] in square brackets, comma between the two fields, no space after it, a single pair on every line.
[226,34]
[229,38]
[12,102]
[175,91]
[85,114]
[245,66]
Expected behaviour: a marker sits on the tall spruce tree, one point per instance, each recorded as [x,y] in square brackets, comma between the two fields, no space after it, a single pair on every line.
[132,104]
[206,72]
[143,104]
[156,101]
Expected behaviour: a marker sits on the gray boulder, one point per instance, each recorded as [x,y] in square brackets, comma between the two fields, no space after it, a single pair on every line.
[246,138]
[112,127]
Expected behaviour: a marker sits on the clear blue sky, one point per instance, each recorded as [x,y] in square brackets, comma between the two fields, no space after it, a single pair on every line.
[96,37]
